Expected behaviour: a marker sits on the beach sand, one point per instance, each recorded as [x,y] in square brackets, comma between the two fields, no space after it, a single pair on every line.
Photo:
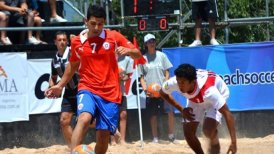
[264,145]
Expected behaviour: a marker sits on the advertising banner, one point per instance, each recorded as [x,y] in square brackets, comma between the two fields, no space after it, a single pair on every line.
[247,69]
[38,76]
[13,87]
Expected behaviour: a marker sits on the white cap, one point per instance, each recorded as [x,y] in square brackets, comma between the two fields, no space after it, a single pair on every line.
[148,37]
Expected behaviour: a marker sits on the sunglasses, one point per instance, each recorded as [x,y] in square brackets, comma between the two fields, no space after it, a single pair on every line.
[151,41]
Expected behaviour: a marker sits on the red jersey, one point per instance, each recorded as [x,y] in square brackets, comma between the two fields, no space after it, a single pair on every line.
[98,68]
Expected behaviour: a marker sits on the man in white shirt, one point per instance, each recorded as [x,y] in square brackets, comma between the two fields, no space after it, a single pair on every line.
[204,10]
[206,95]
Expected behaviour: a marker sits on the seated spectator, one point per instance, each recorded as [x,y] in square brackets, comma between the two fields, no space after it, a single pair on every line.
[19,15]
[54,16]
[3,23]
[33,7]
[38,22]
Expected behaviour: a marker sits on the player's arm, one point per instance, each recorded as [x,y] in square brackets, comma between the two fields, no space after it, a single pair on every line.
[69,72]
[186,112]
[52,80]
[56,90]
[171,100]
[231,127]
[53,76]
[125,47]
[135,53]
[132,52]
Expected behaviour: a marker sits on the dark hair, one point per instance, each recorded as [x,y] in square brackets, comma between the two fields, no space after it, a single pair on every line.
[186,71]
[96,11]
[60,33]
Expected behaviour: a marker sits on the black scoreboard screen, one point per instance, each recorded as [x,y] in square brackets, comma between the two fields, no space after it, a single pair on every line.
[154,23]
[151,7]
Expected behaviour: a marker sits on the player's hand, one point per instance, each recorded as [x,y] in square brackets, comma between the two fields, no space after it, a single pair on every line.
[53,92]
[232,149]
[122,51]
[187,114]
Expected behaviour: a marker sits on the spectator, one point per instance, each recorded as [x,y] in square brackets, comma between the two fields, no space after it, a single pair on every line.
[54,16]
[156,71]
[3,23]
[38,22]
[19,14]
[33,7]
[204,10]
[69,102]
[99,95]
[125,69]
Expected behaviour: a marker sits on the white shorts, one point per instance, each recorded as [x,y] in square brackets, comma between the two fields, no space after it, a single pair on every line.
[202,110]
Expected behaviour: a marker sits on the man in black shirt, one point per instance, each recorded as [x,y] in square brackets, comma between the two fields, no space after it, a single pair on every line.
[69,102]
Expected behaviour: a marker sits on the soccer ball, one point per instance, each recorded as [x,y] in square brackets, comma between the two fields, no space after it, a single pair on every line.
[154,89]
[83,149]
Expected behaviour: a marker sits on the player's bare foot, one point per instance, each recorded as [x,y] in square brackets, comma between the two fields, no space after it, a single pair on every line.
[122,142]
[117,137]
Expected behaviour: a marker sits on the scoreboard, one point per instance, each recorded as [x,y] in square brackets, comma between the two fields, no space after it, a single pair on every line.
[152,23]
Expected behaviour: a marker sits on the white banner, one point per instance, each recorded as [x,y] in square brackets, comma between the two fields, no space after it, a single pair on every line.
[38,75]
[132,94]
[13,87]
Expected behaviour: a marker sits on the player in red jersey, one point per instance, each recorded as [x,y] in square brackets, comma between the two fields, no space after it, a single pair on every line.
[99,95]
[206,95]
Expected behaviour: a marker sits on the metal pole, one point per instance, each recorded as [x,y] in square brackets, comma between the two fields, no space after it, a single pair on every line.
[162,42]
[252,19]
[180,41]
[267,15]
[107,11]
[122,12]
[139,107]
[179,31]
[48,28]
[226,19]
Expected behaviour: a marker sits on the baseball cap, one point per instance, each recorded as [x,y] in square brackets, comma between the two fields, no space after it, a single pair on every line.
[148,37]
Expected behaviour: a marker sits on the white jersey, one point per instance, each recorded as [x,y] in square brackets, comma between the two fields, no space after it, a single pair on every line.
[210,89]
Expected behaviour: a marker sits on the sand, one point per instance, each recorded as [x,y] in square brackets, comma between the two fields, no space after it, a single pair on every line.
[263,145]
